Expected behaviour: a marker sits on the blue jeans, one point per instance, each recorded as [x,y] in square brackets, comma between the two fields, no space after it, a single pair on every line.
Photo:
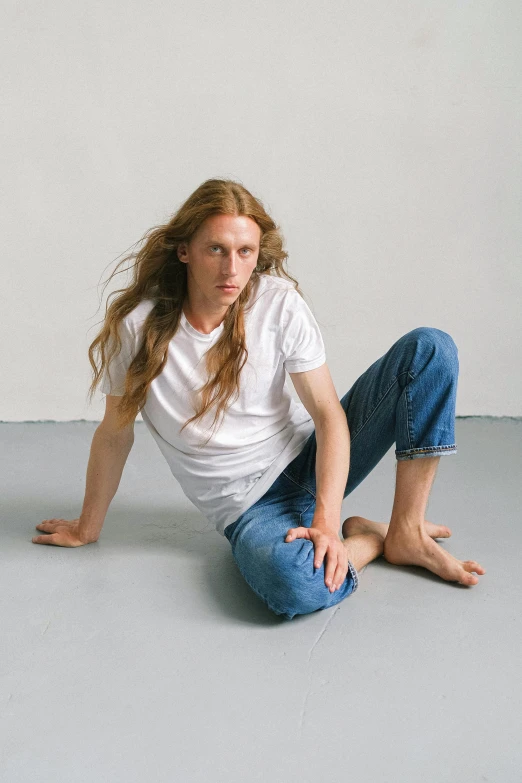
[406,397]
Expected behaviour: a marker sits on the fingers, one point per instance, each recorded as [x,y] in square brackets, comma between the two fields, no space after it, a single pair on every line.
[336,567]
[319,553]
[329,573]
[48,525]
[52,524]
[51,538]
[297,532]
[336,574]
[340,574]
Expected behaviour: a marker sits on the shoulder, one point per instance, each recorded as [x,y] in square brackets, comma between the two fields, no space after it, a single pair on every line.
[277,290]
[281,299]
[135,319]
[274,283]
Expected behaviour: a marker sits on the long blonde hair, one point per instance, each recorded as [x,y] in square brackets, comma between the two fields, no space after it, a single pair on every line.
[158,274]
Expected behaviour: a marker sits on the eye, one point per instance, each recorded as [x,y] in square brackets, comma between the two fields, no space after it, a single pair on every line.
[213,246]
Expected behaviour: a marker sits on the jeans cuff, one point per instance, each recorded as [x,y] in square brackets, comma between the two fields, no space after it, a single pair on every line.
[354,575]
[429,451]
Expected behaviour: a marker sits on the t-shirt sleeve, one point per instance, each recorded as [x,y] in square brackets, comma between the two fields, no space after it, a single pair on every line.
[302,342]
[113,379]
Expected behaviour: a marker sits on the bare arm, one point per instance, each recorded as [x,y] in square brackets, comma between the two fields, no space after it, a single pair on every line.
[109,451]
[316,391]
[107,459]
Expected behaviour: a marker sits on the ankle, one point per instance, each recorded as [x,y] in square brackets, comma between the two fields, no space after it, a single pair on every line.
[405,526]
[363,548]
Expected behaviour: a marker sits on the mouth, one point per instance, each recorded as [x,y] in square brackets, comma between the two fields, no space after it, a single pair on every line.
[228,288]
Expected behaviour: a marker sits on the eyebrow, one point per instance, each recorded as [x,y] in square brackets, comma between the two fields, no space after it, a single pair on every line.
[219,242]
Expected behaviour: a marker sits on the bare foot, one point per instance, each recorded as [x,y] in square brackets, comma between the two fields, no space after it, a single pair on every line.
[417,548]
[354,525]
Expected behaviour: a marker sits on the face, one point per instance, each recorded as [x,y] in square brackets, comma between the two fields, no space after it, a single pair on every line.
[224,250]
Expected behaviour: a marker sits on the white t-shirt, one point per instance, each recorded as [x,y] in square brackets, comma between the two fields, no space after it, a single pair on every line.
[261,432]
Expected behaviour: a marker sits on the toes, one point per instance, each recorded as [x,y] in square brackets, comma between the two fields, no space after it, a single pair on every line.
[472,565]
[440,531]
[468,579]
[437,531]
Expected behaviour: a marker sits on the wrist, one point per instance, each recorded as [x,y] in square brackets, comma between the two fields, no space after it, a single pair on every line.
[88,532]
[329,523]
[86,538]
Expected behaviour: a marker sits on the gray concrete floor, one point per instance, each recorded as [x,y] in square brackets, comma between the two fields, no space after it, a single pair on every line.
[146,657]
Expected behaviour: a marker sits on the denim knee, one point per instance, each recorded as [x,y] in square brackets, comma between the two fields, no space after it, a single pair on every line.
[287,573]
[304,588]
[282,573]
[439,342]
[276,573]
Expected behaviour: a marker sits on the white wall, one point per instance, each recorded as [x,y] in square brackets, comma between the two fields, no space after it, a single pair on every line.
[384,138]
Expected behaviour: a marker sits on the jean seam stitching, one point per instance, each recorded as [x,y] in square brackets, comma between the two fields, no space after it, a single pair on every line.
[390,387]
[428,448]
[410,416]
[304,511]
[300,485]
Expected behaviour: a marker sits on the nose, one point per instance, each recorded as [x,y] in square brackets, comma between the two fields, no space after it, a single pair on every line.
[230,266]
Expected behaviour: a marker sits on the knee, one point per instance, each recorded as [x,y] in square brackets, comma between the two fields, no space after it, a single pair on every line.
[269,569]
[297,589]
[440,344]
[280,573]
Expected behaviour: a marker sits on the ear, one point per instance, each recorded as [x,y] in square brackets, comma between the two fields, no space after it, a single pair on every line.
[182,252]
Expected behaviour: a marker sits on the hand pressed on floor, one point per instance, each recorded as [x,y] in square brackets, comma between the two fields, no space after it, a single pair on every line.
[62,532]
